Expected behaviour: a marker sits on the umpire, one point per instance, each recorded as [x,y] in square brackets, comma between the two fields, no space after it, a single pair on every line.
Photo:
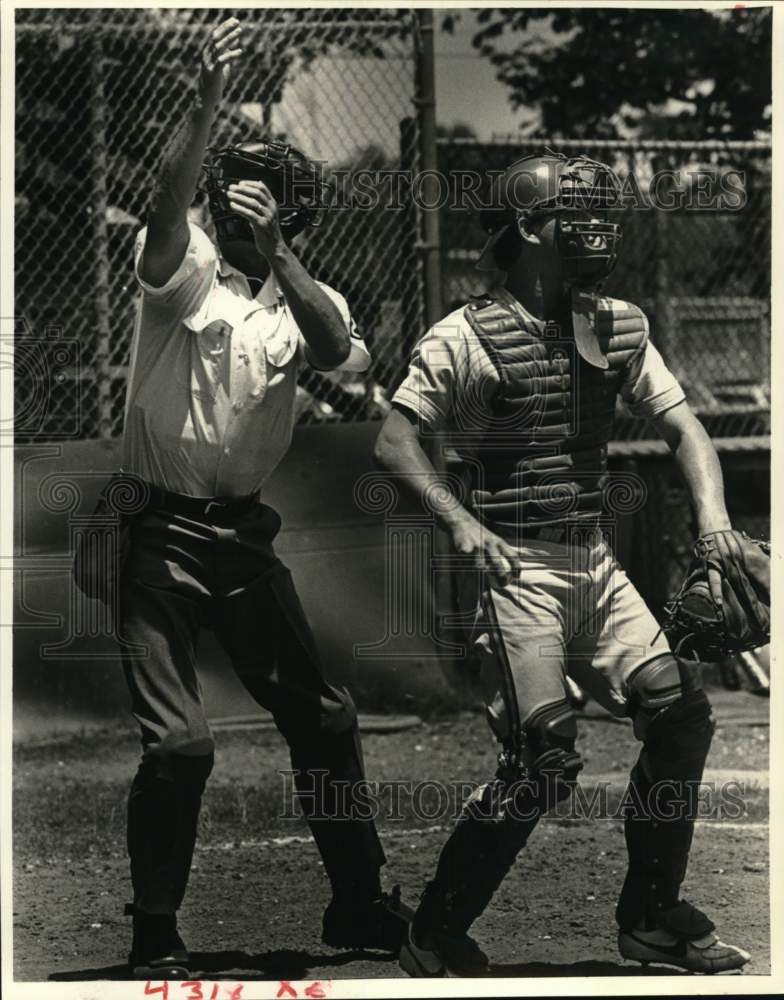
[221,333]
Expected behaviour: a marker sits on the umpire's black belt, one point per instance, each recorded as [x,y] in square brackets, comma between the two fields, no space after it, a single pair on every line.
[211,509]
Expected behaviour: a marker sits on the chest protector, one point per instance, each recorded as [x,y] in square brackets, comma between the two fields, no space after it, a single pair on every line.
[543,458]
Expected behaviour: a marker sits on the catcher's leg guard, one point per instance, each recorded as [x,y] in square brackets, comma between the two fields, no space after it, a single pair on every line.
[535,771]
[660,804]
[163,809]
[473,862]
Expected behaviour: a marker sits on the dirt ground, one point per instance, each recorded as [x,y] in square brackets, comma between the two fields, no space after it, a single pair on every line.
[257,891]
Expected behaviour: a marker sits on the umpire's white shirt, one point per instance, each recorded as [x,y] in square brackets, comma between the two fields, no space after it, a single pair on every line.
[213,376]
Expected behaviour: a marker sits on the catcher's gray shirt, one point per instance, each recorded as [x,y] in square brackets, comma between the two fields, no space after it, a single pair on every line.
[451,383]
[210,409]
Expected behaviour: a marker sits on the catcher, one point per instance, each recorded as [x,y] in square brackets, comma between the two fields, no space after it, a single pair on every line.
[524,381]
[222,330]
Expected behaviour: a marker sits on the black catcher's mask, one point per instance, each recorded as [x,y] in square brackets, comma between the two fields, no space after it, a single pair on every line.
[550,183]
[294,182]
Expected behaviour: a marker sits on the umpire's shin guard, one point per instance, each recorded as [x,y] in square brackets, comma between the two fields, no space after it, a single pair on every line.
[163,811]
[329,780]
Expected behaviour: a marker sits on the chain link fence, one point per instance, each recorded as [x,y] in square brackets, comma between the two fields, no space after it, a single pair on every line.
[700,269]
[98,94]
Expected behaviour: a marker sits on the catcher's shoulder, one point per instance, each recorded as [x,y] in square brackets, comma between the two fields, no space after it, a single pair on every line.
[621,306]
[626,322]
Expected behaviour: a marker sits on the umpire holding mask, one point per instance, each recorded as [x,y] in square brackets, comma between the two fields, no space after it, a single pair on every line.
[222,330]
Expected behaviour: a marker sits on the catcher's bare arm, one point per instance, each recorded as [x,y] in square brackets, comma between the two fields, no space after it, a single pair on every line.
[167,220]
[399,451]
[698,463]
[735,568]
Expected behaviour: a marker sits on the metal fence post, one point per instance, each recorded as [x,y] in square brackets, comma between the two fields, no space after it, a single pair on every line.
[100,204]
[430,247]
[665,315]
[444,584]
[665,334]
[409,275]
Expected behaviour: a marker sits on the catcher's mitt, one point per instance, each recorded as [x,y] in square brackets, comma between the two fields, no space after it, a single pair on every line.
[723,605]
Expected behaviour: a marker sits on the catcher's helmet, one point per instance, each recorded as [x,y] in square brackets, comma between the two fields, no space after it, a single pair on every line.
[550,183]
[294,182]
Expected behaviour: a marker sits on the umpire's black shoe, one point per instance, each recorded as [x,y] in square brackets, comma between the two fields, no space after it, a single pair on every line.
[445,955]
[157,951]
[380,924]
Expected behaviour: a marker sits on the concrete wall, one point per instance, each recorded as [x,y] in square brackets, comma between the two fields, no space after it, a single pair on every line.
[336,552]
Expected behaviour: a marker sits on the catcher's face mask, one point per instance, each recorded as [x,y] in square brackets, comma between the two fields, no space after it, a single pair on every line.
[587,249]
[294,182]
[578,191]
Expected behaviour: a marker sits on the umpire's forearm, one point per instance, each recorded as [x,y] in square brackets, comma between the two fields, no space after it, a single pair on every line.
[316,314]
[700,468]
[182,159]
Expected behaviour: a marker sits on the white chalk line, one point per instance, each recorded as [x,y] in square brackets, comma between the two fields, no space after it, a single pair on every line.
[295,840]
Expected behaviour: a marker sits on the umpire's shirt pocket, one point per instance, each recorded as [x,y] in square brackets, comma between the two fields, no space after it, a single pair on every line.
[264,348]
[213,329]
[245,345]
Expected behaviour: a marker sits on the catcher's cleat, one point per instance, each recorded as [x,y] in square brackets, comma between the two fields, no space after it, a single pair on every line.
[380,924]
[706,954]
[446,955]
[157,951]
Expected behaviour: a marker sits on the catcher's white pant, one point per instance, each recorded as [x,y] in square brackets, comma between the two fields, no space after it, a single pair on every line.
[571,610]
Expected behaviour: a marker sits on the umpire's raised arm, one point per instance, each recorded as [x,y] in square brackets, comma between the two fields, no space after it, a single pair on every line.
[167,221]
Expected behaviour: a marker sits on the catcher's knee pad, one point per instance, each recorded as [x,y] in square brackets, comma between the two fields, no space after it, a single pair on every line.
[548,753]
[678,739]
[652,687]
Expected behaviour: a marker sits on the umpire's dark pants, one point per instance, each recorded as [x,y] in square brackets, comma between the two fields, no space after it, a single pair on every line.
[221,571]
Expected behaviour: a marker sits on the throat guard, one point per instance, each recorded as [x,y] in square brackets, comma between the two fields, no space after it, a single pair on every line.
[294,182]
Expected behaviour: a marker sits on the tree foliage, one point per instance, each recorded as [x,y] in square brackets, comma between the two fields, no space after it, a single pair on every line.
[607,72]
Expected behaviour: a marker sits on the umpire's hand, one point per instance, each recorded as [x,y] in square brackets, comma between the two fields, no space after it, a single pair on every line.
[253,200]
[224,46]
